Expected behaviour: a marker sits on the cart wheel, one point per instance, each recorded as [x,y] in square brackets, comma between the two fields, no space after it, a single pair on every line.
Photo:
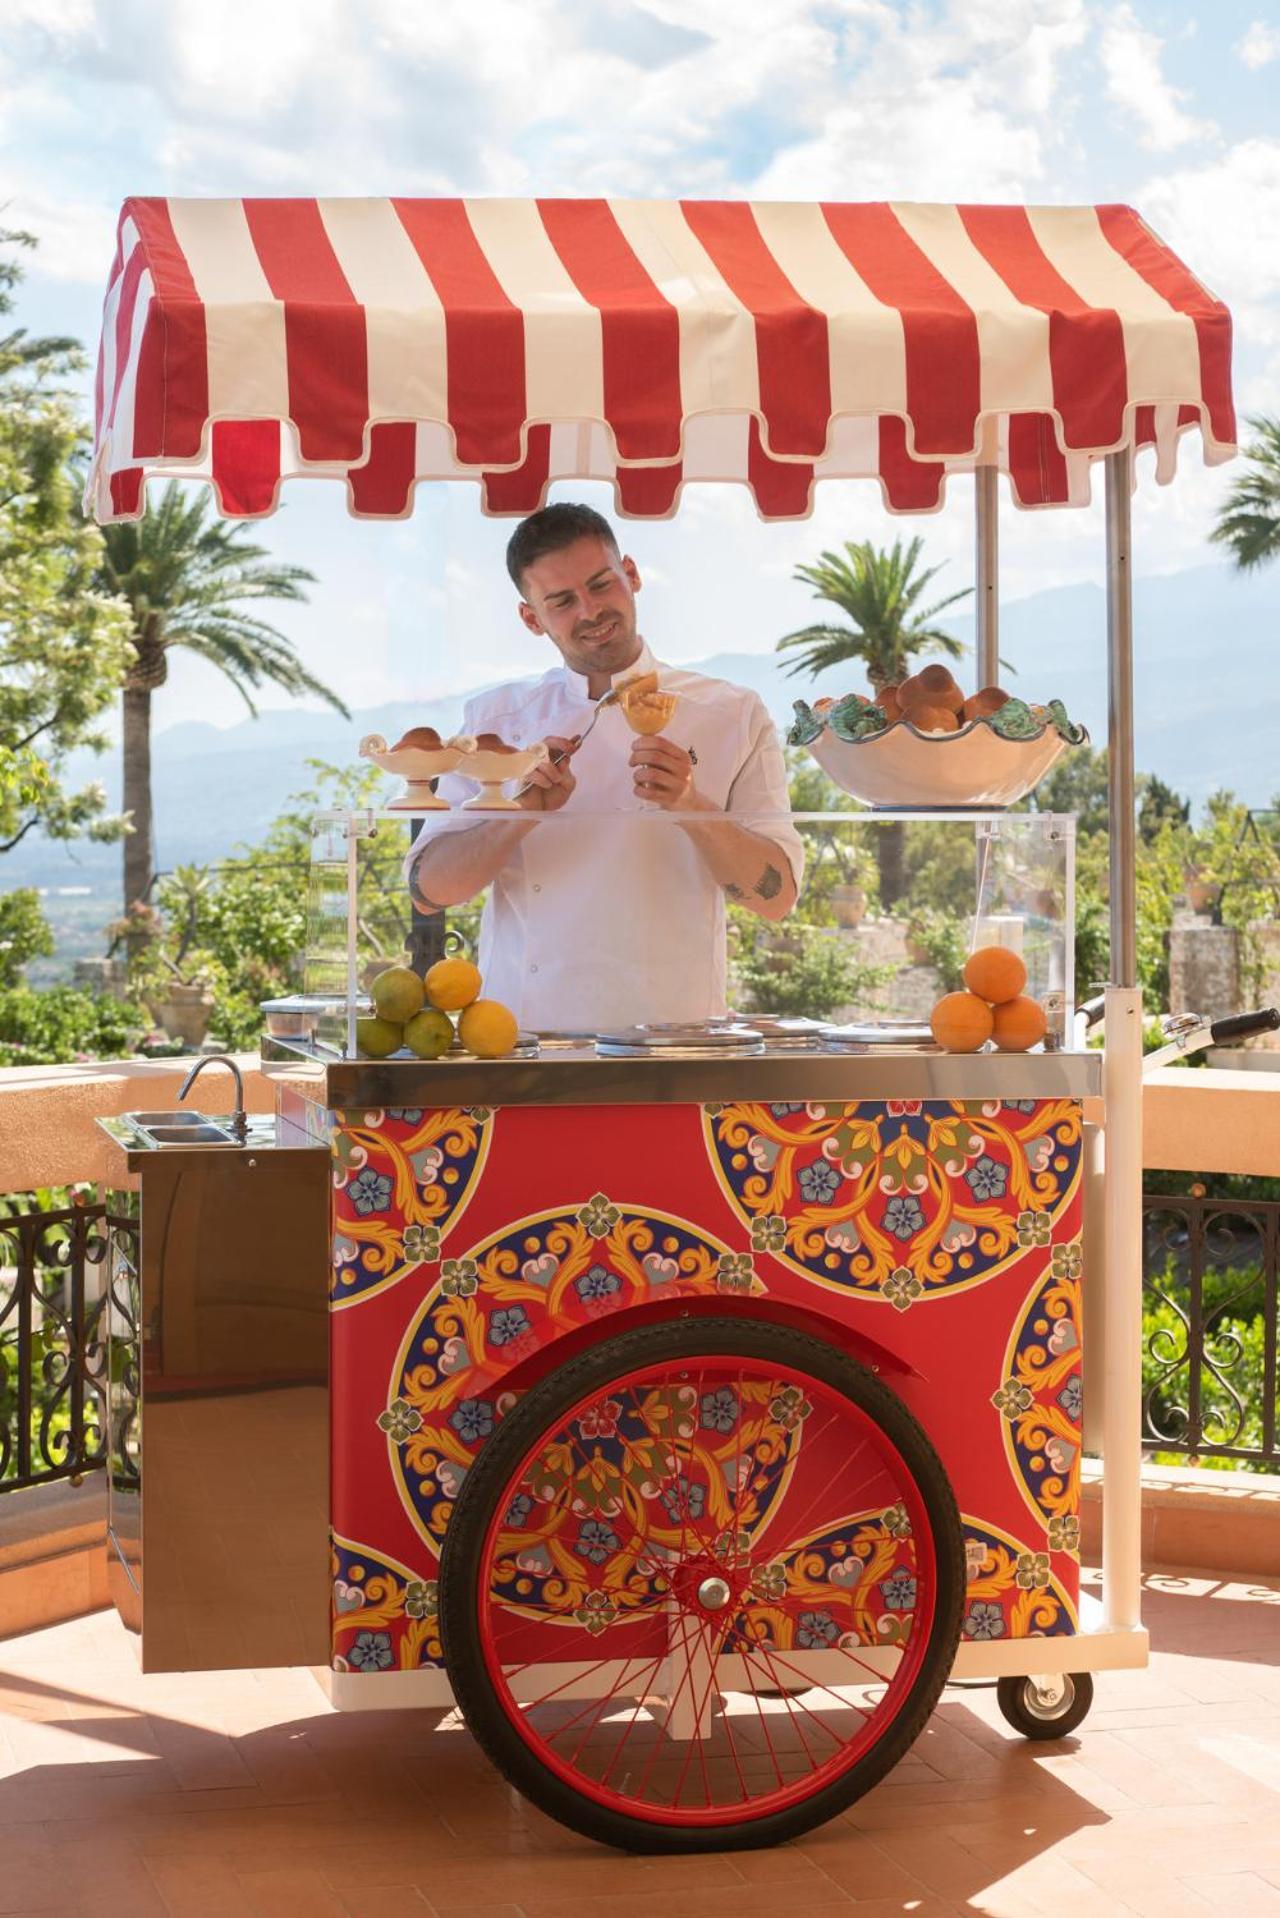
[1046,1707]
[702,1587]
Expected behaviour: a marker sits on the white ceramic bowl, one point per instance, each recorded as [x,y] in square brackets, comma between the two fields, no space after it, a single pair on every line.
[492,771]
[417,766]
[974,767]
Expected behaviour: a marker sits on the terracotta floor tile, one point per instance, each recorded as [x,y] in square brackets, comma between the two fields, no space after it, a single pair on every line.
[1147,1889]
[290,1893]
[405,1901]
[859,1866]
[199,1888]
[241,1793]
[1241,1893]
[753,1901]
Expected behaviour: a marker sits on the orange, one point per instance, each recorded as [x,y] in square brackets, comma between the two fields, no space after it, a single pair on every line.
[452,984]
[1019,1024]
[488,1029]
[961,1022]
[995,974]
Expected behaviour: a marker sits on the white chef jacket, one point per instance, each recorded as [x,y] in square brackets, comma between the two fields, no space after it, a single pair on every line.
[605,914]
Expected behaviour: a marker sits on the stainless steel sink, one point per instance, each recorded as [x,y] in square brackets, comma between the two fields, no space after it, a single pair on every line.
[150,1119]
[199,1133]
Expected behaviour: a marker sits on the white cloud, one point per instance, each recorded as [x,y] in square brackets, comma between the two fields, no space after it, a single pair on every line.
[956,107]
[1223,219]
[1259,45]
[1130,58]
[76,236]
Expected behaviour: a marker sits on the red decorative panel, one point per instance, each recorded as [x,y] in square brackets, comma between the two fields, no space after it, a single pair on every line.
[467,1242]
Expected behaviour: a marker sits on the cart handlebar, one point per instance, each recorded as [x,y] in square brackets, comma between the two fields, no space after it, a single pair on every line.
[1241,1024]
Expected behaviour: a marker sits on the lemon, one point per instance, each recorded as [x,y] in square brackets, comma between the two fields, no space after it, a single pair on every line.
[488,1029]
[429,1033]
[397,994]
[453,984]
[378,1038]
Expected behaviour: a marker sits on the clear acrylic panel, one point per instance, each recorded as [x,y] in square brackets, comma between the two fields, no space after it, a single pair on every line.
[608,919]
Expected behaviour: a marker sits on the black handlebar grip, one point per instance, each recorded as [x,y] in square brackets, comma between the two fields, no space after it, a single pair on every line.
[1241,1024]
[1093,1009]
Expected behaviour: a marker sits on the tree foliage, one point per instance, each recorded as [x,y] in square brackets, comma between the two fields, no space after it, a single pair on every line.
[879,594]
[63,637]
[188,580]
[1248,524]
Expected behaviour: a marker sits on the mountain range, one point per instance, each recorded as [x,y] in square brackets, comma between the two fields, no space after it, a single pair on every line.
[1207,675]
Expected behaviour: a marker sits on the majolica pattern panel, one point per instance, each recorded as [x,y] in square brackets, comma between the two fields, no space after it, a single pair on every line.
[469,1242]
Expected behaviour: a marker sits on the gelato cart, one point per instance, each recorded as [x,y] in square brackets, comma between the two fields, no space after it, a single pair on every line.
[697,1398]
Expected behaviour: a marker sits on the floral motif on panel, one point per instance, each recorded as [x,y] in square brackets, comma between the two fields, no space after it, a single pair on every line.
[384,1618]
[402,1179]
[1038,1397]
[898,1201]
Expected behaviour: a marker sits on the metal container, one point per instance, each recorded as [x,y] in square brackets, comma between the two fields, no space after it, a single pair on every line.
[296,1016]
[877,1035]
[714,1038]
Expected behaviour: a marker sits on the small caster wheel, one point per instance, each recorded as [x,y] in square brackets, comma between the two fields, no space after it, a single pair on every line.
[1045,1707]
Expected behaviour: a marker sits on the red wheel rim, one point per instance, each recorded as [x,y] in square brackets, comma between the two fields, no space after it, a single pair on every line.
[707,1591]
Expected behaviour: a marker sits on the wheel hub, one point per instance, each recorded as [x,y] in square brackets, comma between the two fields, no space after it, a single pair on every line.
[714,1593]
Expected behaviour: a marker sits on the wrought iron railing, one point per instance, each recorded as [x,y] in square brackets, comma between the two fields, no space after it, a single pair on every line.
[1211,1319]
[58,1299]
[1210,1378]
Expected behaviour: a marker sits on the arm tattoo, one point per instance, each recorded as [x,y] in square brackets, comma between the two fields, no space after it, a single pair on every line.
[769,884]
[734,892]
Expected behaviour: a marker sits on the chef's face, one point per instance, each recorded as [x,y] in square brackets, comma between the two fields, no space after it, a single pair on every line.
[583,598]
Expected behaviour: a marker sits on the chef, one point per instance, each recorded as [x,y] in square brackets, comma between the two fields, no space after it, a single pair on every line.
[611,913]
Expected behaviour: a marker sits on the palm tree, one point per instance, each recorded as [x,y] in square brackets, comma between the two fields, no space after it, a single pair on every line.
[1249,520]
[186,579]
[879,592]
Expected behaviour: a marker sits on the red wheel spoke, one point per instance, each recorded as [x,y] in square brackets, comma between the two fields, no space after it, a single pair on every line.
[817,1685]
[762,1715]
[698,1711]
[598,1705]
[789,1704]
[597,1728]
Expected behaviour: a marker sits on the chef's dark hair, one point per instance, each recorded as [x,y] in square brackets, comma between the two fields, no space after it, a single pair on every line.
[550,531]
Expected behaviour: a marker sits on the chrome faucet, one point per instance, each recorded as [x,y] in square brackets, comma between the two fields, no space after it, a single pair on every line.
[239,1119]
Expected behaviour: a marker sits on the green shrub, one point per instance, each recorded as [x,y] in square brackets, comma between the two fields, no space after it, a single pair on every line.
[806,974]
[61,1025]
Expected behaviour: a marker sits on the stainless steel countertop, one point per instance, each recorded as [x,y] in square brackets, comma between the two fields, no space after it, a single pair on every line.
[579,1077]
[139,1152]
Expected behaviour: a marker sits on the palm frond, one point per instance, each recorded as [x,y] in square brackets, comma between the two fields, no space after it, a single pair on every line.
[1249,520]
[878,590]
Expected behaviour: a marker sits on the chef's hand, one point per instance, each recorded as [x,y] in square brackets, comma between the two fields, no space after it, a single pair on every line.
[550,785]
[663,773]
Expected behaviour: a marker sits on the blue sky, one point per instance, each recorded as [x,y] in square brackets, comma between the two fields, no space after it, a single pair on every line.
[1173,108]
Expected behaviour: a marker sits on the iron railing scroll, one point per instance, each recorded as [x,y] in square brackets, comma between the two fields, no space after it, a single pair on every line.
[1210,1304]
[62,1296]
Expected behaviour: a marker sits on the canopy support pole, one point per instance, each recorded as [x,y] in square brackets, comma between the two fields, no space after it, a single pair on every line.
[987,574]
[1122,1099]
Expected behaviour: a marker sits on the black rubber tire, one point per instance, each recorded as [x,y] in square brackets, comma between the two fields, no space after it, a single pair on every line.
[1016,1699]
[679,1340]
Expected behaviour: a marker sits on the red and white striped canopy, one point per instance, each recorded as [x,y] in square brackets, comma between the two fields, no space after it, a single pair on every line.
[649,343]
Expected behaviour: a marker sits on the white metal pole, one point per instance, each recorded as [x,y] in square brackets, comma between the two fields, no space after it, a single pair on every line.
[987,574]
[353,920]
[1122,1099]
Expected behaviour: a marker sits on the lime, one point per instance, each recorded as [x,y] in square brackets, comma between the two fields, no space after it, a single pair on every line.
[397,994]
[429,1033]
[378,1038]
